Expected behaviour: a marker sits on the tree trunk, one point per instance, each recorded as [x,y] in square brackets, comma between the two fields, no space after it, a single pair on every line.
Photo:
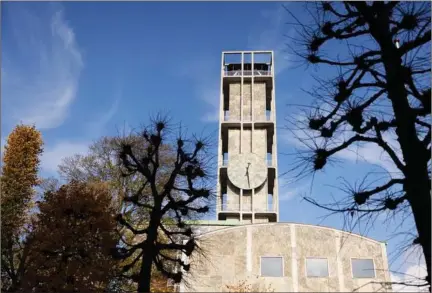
[420,205]
[149,253]
[145,273]
[415,154]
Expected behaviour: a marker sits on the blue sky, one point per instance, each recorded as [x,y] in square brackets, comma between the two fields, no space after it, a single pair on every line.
[80,70]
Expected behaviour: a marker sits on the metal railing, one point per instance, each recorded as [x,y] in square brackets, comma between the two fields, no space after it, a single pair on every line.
[248,73]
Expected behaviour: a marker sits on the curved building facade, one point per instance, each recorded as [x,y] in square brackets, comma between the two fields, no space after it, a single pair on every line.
[286,257]
[247,243]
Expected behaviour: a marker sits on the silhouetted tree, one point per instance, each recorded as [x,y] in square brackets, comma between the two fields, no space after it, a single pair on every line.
[179,190]
[99,164]
[18,179]
[72,240]
[380,94]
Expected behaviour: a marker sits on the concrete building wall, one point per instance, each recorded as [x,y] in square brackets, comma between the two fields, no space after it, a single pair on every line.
[233,254]
[260,148]
[234,101]
[247,140]
[233,193]
[247,101]
[259,100]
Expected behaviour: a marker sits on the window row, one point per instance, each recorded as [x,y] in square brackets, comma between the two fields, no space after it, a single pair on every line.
[317,267]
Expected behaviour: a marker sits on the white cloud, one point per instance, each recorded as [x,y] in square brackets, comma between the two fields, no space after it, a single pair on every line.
[371,154]
[204,71]
[271,36]
[412,276]
[42,68]
[288,194]
[211,97]
[414,272]
[2,147]
[288,191]
[98,125]
[364,152]
[53,156]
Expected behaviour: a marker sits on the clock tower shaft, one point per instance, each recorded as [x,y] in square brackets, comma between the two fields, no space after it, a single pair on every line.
[247,124]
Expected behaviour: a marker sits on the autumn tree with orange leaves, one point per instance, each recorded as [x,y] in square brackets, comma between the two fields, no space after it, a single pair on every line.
[71,242]
[19,177]
[100,164]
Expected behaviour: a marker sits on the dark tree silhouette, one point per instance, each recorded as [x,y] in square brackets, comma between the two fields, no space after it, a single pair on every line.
[380,95]
[184,194]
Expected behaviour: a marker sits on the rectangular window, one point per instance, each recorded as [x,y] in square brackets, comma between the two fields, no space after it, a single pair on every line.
[317,267]
[271,266]
[362,268]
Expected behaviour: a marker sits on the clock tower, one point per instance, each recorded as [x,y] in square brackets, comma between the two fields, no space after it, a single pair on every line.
[247,159]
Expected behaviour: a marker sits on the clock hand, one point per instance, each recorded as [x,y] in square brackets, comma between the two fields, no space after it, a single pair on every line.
[248,180]
[247,170]
[247,173]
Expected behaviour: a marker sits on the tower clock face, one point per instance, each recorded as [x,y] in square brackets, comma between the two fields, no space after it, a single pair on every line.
[247,170]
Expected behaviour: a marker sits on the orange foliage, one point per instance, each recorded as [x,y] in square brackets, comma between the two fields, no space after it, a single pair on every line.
[244,286]
[19,175]
[159,283]
[72,240]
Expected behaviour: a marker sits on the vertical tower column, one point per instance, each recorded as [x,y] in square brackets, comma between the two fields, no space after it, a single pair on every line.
[241,128]
[252,130]
[247,93]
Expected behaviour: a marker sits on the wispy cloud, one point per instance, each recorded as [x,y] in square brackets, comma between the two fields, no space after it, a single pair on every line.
[288,191]
[211,97]
[373,154]
[268,34]
[40,79]
[42,68]
[414,273]
[97,126]
[53,155]
[2,147]
[364,152]
[204,72]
